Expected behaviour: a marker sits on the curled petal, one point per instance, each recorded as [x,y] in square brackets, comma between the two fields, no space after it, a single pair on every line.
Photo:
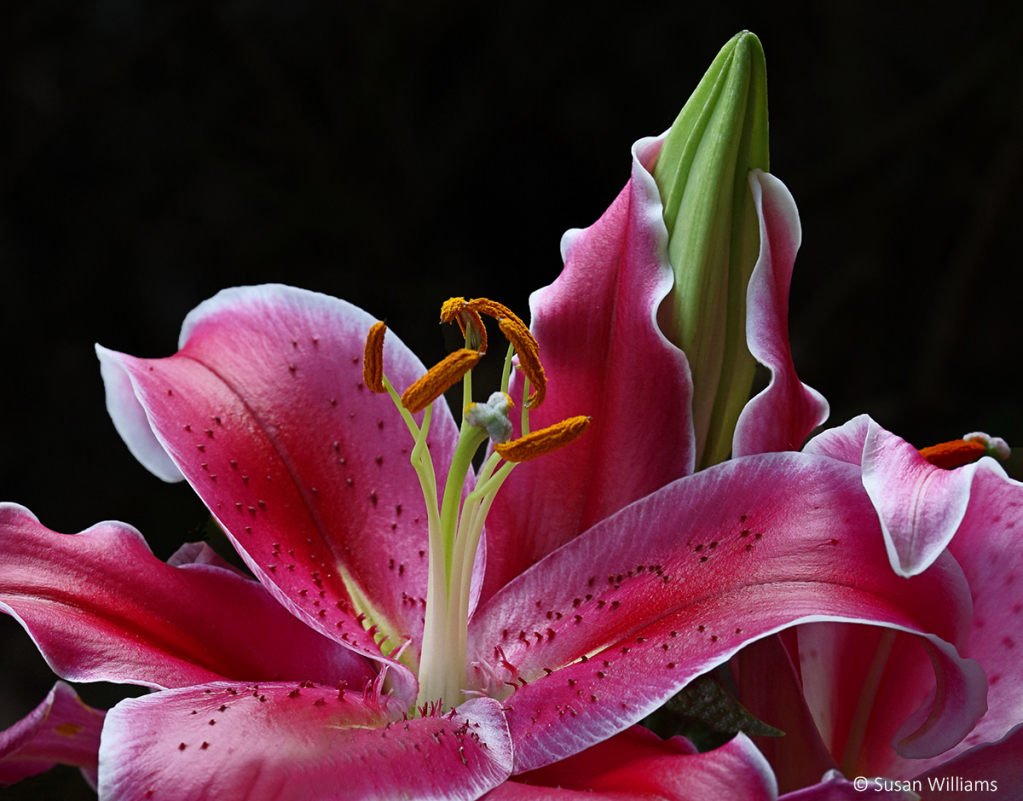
[604,357]
[273,741]
[921,505]
[101,607]
[613,623]
[61,730]
[782,416]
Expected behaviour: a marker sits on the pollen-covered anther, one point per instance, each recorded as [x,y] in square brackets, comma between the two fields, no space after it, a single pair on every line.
[528,352]
[438,379]
[959,452]
[457,310]
[543,441]
[373,358]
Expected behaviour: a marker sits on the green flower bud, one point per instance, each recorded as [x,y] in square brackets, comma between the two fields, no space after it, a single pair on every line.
[713,234]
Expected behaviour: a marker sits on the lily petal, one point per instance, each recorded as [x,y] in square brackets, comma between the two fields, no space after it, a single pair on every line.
[835,787]
[994,767]
[101,607]
[677,583]
[920,505]
[637,764]
[271,742]
[61,730]
[782,416]
[863,685]
[605,357]
[987,546]
[264,412]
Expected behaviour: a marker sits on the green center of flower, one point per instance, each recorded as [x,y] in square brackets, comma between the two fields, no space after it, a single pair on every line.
[456,523]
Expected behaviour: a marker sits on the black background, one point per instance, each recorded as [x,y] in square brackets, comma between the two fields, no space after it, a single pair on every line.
[396,154]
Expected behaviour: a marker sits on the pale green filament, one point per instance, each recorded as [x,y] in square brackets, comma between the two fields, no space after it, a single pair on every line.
[506,372]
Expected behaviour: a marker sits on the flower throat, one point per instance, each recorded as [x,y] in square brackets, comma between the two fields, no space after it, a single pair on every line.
[456,525]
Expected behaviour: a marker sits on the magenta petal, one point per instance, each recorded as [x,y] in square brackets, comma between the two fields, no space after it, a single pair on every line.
[920,506]
[61,730]
[271,742]
[637,764]
[604,357]
[264,412]
[677,583]
[980,772]
[101,607]
[835,787]
[987,545]
[784,414]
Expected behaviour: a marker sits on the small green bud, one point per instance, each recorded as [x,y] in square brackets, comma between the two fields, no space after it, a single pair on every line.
[702,173]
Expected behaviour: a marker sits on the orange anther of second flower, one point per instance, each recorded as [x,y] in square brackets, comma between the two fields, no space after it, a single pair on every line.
[373,358]
[958,452]
[543,441]
[458,310]
[438,379]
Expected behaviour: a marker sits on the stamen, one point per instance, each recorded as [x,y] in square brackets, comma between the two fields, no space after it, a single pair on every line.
[441,377]
[529,357]
[543,441]
[457,310]
[373,359]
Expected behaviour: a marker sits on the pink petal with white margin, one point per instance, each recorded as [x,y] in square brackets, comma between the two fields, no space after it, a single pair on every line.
[604,356]
[987,545]
[984,540]
[782,416]
[100,607]
[653,595]
[835,787]
[264,412]
[637,764]
[995,767]
[920,505]
[61,730]
[271,742]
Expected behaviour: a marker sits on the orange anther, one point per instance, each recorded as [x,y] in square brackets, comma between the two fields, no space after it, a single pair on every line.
[543,441]
[457,310]
[438,379]
[529,357]
[373,358]
[958,452]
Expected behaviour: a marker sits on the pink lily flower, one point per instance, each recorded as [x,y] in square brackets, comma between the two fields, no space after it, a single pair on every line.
[612,574]
[847,688]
